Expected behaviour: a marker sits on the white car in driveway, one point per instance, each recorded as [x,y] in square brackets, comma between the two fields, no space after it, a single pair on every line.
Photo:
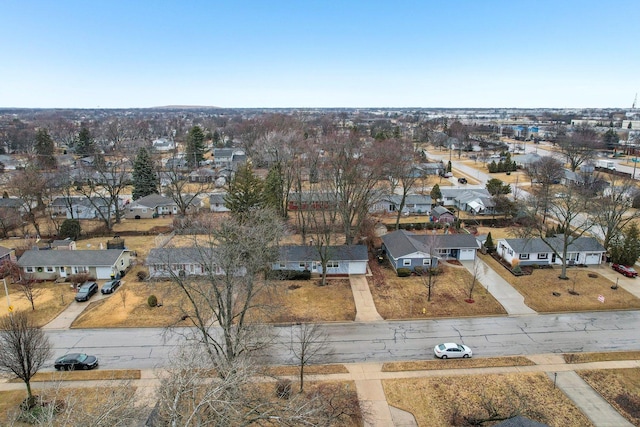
[451,350]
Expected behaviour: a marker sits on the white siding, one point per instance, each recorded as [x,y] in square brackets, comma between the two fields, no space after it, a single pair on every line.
[103,273]
[467,254]
[357,267]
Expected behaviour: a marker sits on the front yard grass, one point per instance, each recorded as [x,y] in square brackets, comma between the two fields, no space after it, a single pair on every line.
[51,299]
[619,387]
[291,301]
[436,365]
[600,357]
[437,401]
[538,289]
[406,297]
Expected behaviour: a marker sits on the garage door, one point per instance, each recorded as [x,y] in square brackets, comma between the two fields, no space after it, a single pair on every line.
[592,259]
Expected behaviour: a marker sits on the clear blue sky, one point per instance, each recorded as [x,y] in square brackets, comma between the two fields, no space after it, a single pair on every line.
[324,53]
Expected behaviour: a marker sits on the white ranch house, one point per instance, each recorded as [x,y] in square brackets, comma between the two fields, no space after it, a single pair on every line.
[53,264]
[583,250]
[343,259]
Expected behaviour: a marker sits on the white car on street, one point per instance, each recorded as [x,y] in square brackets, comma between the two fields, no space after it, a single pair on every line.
[451,350]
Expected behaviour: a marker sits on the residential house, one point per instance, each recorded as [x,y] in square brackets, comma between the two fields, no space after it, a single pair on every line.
[183,262]
[163,144]
[223,157]
[202,175]
[408,250]
[50,265]
[7,254]
[343,260]
[583,250]
[63,245]
[526,160]
[306,200]
[216,202]
[79,207]
[431,168]
[442,215]
[473,200]
[151,206]
[12,203]
[415,204]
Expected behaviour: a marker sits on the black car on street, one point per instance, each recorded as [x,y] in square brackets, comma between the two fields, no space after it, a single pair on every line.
[73,361]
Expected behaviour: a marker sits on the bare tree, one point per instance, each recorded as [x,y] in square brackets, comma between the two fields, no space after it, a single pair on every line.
[178,187]
[30,186]
[24,349]
[570,211]
[401,170]
[477,271]
[102,186]
[545,173]
[612,208]
[581,146]
[29,289]
[233,254]
[309,345]
[352,172]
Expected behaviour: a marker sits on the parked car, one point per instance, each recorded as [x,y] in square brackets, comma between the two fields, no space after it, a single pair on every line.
[462,180]
[623,269]
[73,361]
[451,350]
[86,291]
[110,286]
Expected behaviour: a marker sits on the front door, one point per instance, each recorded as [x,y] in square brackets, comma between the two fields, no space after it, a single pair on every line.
[553,258]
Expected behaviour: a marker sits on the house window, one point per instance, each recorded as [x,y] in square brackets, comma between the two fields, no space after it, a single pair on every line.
[426,261]
[543,256]
[332,264]
[49,269]
[61,269]
[144,210]
[406,262]
[29,269]
[282,265]
[302,265]
[573,256]
[443,252]
[523,256]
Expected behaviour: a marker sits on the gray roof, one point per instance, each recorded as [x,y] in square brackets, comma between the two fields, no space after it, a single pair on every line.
[217,198]
[439,210]
[97,258]
[190,255]
[65,242]
[223,152]
[411,199]
[535,245]
[336,253]
[153,201]
[4,251]
[401,242]
[458,193]
[10,203]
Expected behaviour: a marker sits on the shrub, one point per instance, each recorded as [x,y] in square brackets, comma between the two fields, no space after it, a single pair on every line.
[289,275]
[535,266]
[152,301]
[419,270]
[142,275]
[404,272]
[283,388]
[517,269]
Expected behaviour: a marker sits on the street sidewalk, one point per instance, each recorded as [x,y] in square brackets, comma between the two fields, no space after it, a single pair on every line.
[511,300]
[368,379]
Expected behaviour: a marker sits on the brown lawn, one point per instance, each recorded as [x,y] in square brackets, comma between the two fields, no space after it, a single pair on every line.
[50,300]
[113,312]
[140,244]
[538,289]
[406,297]
[96,375]
[601,357]
[289,301]
[434,401]
[436,365]
[620,387]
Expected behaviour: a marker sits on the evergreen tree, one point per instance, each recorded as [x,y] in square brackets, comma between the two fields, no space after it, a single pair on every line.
[194,149]
[436,194]
[449,166]
[245,192]
[489,243]
[627,250]
[145,179]
[495,187]
[274,190]
[70,228]
[45,150]
[85,145]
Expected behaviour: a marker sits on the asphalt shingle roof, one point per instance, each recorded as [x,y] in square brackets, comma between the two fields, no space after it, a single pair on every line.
[97,258]
[336,253]
[154,200]
[401,242]
[190,255]
[534,245]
